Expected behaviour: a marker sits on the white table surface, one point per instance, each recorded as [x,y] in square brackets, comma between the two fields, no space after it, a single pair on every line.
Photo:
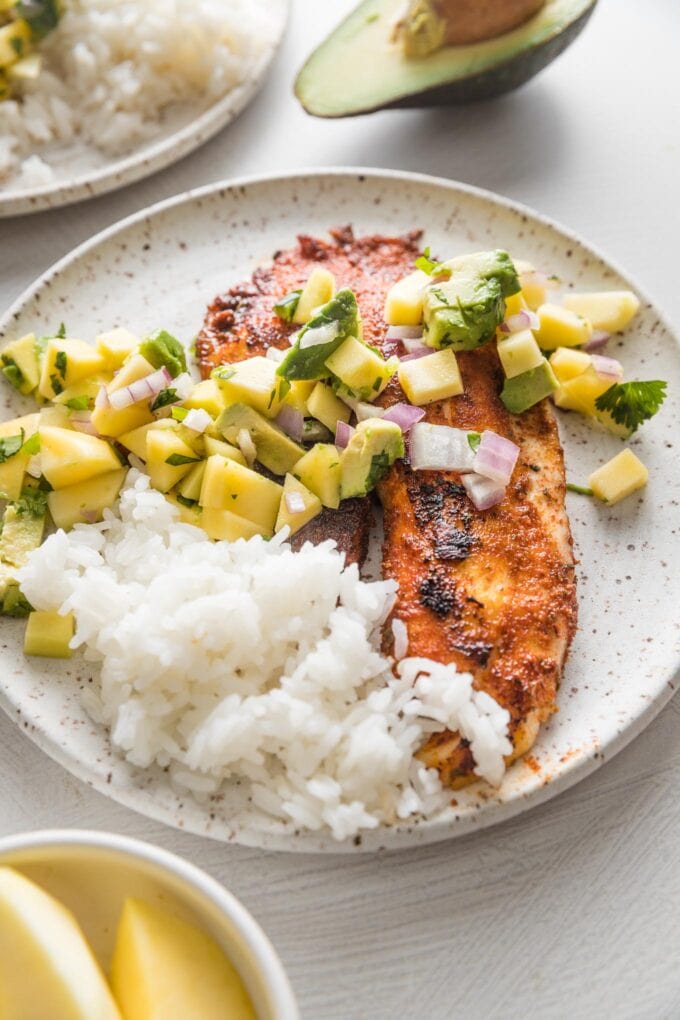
[574,909]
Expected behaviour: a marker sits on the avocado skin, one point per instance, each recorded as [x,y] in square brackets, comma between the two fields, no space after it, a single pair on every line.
[505,76]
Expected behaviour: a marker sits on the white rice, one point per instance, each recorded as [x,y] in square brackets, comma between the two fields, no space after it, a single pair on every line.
[249,661]
[116,71]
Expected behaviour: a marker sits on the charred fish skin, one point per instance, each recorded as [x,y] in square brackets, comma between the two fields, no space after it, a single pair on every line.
[241,323]
[493,592]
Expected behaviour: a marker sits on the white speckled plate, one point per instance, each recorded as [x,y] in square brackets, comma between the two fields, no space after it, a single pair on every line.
[162,267]
[182,131]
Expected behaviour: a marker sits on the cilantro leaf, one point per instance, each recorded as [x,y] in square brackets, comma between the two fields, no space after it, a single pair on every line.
[79,403]
[57,385]
[474,439]
[179,413]
[61,363]
[429,266]
[287,306]
[164,398]
[32,503]
[185,501]
[177,459]
[61,332]
[632,403]
[32,445]
[10,446]
[582,490]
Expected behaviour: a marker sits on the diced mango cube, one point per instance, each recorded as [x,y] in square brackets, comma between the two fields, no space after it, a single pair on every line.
[217,447]
[230,486]
[206,396]
[326,407]
[581,392]
[514,304]
[619,477]
[433,377]
[85,502]
[13,469]
[225,526]
[67,362]
[190,486]
[568,363]
[362,372]
[559,327]
[136,367]
[318,290]
[519,353]
[298,394]
[48,635]
[168,458]
[534,290]
[68,457]
[404,302]
[319,471]
[116,346]
[21,365]
[253,382]
[610,310]
[296,516]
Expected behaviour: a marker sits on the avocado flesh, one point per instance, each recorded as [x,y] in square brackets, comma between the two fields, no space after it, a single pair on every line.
[371,451]
[523,391]
[359,68]
[275,450]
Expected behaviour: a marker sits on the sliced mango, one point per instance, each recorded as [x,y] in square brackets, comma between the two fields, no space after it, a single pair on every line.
[319,471]
[326,407]
[619,477]
[519,353]
[560,327]
[404,302]
[68,457]
[67,362]
[85,502]
[318,290]
[568,363]
[168,458]
[434,377]
[230,486]
[610,310]
[309,506]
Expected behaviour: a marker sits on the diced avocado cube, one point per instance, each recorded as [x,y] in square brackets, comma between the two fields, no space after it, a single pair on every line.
[404,302]
[161,349]
[67,362]
[230,486]
[13,602]
[298,506]
[362,372]
[116,346]
[23,526]
[319,471]
[216,447]
[568,363]
[206,396]
[168,458]
[559,327]
[48,635]
[318,290]
[275,450]
[371,451]
[85,502]
[611,310]
[225,526]
[68,457]
[326,407]
[190,486]
[13,464]
[22,357]
[523,391]
[519,353]
[253,382]
[619,477]
[434,377]
[304,361]
[465,310]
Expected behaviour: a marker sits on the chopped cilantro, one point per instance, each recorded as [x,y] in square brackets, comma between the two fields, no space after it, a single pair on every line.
[632,403]
[179,413]
[17,45]
[582,490]
[177,459]
[79,403]
[32,503]
[380,463]
[32,445]
[186,502]
[13,374]
[223,372]
[61,363]
[61,332]
[10,446]
[474,439]
[377,384]
[429,266]
[44,485]
[286,307]
[164,398]
[57,385]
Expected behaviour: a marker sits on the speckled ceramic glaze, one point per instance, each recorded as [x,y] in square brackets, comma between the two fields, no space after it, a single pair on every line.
[182,132]
[164,266]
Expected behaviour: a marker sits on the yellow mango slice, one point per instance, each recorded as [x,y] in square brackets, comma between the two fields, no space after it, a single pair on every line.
[318,290]
[619,477]
[560,327]
[404,302]
[567,363]
[166,969]
[310,506]
[230,486]
[611,310]
[68,457]
[85,502]
[67,362]
[46,967]
[434,377]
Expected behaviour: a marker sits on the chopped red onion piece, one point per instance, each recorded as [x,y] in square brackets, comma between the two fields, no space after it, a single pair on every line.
[483,492]
[247,446]
[343,434]
[439,448]
[82,422]
[412,346]
[400,638]
[291,421]
[274,354]
[496,457]
[319,335]
[421,351]
[142,389]
[183,385]
[90,516]
[102,399]
[597,341]
[295,503]
[522,320]
[607,368]
[197,420]
[404,333]
[405,415]
[34,467]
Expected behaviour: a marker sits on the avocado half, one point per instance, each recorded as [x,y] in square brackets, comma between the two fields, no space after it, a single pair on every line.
[358,68]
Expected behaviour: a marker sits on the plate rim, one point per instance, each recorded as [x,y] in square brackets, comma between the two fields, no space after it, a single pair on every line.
[383,838]
[156,155]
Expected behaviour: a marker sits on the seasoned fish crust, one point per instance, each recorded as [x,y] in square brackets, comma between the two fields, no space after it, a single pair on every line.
[241,324]
[494,591]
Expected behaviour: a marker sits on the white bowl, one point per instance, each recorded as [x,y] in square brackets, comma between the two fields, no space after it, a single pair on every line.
[93,872]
